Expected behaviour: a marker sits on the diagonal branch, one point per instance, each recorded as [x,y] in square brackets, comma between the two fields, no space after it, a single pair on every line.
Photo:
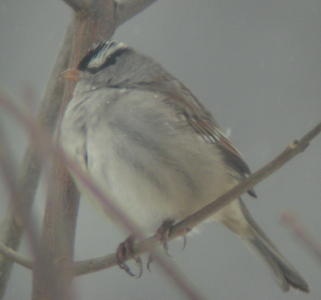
[187,224]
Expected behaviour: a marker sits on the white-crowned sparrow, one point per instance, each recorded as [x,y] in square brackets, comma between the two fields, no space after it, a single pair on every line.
[156,151]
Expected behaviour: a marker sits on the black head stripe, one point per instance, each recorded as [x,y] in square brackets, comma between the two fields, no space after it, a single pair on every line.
[101,56]
[82,66]
[112,58]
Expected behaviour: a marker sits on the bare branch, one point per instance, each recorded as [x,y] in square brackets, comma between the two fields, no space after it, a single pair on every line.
[15,256]
[23,216]
[94,22]
[187,224]
[89,26]
[126,9]
[30,168]
[302,234]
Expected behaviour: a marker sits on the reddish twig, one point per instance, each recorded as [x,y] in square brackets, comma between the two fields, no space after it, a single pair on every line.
[30,169]
[302,234]
[93,21]
[23,216]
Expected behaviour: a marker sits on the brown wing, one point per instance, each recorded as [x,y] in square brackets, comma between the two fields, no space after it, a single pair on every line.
[204,124]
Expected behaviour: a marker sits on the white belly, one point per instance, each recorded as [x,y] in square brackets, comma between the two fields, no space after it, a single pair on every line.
[153,166]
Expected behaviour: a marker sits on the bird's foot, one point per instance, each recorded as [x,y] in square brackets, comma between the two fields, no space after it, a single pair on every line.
[162,234]
[124,251]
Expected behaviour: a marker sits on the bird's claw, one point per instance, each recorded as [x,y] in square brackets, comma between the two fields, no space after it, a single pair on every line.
[124,251]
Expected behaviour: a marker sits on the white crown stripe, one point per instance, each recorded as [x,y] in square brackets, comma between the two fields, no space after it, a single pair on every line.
[107,49]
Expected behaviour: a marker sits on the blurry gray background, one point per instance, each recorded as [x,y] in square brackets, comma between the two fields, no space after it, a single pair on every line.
[256,64]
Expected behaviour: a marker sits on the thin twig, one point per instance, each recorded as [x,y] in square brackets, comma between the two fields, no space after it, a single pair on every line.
[302,234]
[93,23]
[30,169]
[15,257]
[187,224]
[22,215]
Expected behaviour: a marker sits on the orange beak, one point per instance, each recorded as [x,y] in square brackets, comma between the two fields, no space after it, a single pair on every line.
[71,74]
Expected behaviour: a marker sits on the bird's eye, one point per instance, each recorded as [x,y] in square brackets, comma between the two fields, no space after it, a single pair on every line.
[101,56]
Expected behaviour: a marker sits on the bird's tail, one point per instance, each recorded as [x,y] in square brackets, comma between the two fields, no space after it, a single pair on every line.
[287,276]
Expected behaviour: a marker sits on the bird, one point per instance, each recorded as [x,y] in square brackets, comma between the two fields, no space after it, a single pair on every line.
[154,148]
